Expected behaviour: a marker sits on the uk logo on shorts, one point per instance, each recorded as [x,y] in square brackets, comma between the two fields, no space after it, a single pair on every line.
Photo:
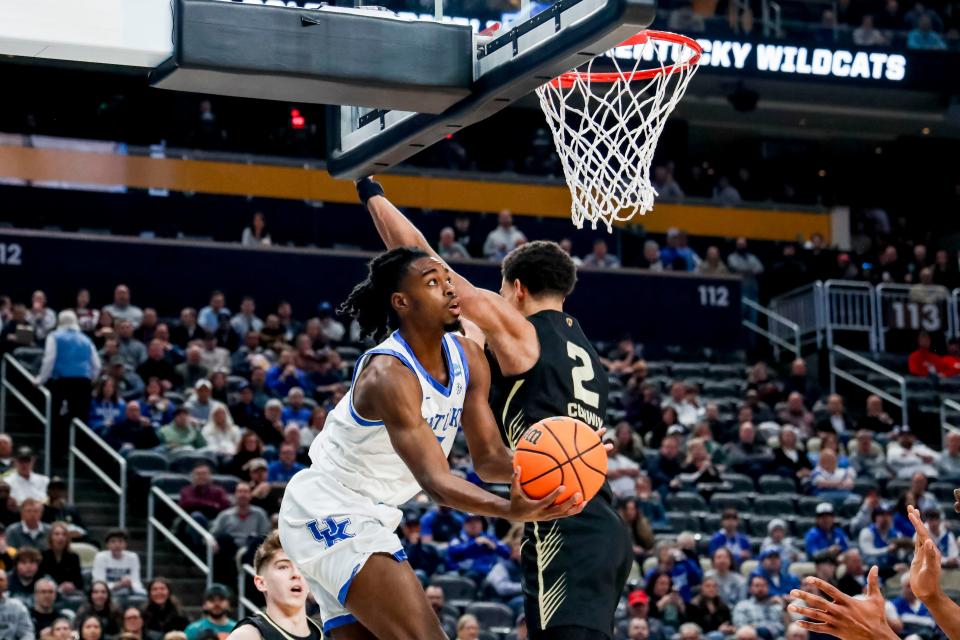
[330,532]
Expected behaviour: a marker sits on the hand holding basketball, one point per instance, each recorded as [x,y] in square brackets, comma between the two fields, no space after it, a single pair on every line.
[561,452]
[525,509]
[607,446]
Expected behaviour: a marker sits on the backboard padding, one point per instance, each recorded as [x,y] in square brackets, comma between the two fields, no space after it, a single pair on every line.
[331,55]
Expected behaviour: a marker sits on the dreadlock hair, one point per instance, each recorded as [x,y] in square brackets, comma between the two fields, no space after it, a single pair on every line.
[369,302]
[543,268]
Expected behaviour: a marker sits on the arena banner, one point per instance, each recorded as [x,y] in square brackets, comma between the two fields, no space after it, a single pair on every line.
[833,63]
[657,309]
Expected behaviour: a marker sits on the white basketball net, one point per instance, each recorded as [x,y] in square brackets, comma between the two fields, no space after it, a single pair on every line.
[606,130]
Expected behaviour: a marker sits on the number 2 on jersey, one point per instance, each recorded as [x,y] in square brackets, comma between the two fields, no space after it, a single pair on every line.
[582,373]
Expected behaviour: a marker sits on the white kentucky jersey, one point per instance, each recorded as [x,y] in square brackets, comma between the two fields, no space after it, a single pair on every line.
[357,452]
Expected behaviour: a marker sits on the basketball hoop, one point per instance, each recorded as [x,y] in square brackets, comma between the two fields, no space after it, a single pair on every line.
[606,135]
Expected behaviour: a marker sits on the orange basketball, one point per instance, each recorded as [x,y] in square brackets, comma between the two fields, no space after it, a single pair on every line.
[561,451]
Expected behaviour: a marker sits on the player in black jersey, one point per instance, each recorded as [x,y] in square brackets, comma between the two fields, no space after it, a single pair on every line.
[285,590]
[542,365]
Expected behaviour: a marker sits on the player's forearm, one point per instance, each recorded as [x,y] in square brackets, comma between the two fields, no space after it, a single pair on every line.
[946,613]
[494,466]
[492,461]
[394,228]
[459,494]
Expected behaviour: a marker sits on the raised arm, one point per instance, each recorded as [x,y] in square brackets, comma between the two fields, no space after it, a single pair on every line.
[492,461]
[387,391]
[845,617]
[511,336]
[925,579]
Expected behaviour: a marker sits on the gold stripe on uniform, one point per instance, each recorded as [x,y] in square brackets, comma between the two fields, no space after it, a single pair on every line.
[547,548]
[512,428]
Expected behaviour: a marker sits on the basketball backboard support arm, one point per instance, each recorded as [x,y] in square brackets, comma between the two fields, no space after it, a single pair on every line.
[507,68]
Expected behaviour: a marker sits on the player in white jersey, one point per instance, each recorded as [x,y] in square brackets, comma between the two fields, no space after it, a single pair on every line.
[388,438]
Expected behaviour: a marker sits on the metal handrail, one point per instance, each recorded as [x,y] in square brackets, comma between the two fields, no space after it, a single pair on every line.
[773,316]
[837,372]
[839,312]
[154,524]
[807,301]
[45,417]
[944,425]
[771,17]
[75,453]
[243,602]
[792,293]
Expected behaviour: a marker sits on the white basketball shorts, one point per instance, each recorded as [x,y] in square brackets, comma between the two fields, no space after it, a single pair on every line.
[329,531]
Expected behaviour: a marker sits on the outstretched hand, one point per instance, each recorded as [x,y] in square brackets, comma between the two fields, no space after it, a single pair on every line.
[925,578]
[925,568]
[846,617]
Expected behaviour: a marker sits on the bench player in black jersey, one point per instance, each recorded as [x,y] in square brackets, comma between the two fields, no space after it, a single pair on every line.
[285,591]
[542,365]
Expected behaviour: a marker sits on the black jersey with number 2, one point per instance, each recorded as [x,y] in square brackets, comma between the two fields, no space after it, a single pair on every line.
[574,569]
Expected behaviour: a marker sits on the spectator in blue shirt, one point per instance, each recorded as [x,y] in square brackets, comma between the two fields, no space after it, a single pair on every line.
[283,469]
[107,407]
[825,537]
[677,255]
[730,537]
[441,524]
[70,364]
[900,519]
[284,376]
[649,503]
[209,318]
[155,407]
[296,412]
[913,613]
[924,37]
[682,569]
[878,541]
[771,568]
[475,552]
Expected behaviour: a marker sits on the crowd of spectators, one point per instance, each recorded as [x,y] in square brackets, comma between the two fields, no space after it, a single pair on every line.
[874,257]
[252,406]
[866,23]
[782,482]
[46,591]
